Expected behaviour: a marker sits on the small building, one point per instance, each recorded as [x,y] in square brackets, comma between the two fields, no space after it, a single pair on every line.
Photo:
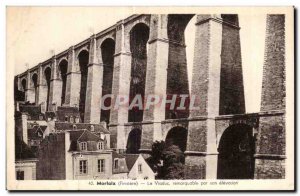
[90,156]
[35,133]
[119,166]
[25,161]
[26,117]
[67,114]
[138,168]
[26,169]
[76,154]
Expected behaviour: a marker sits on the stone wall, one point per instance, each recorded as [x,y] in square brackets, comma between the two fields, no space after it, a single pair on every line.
[273,87]
[51,158]
[232,99]
[271,143]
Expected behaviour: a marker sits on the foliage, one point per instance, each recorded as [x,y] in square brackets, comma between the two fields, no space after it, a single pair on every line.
[166,161]
[173,159]
[156,157]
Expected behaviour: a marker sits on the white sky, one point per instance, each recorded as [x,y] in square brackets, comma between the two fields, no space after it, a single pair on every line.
[33,32]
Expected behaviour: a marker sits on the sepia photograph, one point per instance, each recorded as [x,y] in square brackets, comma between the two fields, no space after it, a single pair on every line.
[150,98]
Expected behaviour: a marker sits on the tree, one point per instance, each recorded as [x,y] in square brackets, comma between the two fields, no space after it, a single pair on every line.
[156,157]
[173,159]
[166,161]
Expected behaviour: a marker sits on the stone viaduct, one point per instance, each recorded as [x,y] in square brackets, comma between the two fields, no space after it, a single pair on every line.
[145,54]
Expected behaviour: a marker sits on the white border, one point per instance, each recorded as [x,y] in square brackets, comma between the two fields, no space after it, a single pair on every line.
[112,2]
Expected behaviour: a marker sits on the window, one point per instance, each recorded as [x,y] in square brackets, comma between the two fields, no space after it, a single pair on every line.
[101,165]
[83,146]
[116,164]
[74,127]
[20,175]
[66,119]
[146,178]
[100,146]
[39,134]
[71,119]
[140,168]
[83,167]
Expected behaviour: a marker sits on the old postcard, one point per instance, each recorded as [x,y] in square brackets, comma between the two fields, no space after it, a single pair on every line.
[150,98]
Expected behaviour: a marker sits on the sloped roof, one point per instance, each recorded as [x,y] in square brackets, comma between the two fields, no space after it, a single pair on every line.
[82,136]
[22,150]
[63,111]
[32,110]
[117,155]
[74,135]
[50,114]
[131,159]
[88,136]
[41,127]
[32,132]
[69,126]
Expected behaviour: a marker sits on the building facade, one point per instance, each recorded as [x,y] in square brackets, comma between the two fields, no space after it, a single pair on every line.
[138,168]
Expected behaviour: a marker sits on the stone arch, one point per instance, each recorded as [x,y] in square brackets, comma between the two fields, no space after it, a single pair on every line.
[177,136]
[106,38]
[83,59]
[47,75]
[236,153]
[177,65]
[107,52]
[83,49]
[139,36]
[134,141]
[63,70]
[132,25]
[34,79]
[24,84]
[62,59]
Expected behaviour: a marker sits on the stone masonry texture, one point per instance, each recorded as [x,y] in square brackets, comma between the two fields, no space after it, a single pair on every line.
[273,88]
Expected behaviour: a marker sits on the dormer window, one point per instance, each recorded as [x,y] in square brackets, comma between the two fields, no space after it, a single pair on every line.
[100,146]
[83,146]
[77,119]
[74,127]
[66,119]
[92,128]
[71,119]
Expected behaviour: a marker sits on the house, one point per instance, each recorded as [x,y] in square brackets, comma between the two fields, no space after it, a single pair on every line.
[25,161]
[27,115]
[90,155]
[35,133]
[138,168]
[67,114]
[79,154]
[119,166]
